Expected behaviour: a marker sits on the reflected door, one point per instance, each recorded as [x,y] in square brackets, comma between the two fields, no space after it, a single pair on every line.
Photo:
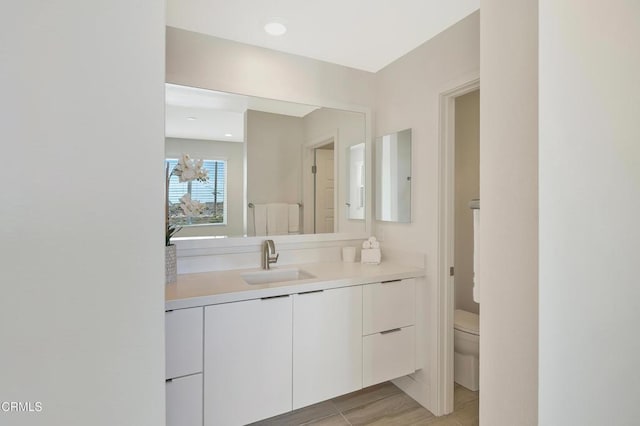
[324,191]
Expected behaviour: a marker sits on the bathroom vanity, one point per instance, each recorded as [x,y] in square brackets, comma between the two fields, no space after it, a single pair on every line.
[238,352]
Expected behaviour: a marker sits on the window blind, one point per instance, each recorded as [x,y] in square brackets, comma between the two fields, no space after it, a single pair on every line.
[212,193]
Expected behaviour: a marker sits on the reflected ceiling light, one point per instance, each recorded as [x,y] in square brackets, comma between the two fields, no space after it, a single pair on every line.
[192,118]
[228,135]
[275,27]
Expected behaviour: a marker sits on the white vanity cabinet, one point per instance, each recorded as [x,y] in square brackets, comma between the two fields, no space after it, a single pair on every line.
[388,330]
[246,353]
[183,349]
[327,344]
[247,360]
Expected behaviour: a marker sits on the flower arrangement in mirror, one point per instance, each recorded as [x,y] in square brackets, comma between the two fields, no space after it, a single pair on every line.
[187,170]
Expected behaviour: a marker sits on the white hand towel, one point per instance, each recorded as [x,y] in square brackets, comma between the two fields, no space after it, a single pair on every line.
[277,219]
[476,255]
[260,219]
[294,219]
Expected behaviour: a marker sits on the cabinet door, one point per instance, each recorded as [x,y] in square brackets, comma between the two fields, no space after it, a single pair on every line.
[184,401]
[327,344]
[183,342]
[247,361]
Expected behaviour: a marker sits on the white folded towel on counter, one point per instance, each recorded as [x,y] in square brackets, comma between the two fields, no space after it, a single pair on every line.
[371,251]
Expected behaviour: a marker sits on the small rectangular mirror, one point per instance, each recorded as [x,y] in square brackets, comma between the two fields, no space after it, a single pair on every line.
[393,177]
[355,181]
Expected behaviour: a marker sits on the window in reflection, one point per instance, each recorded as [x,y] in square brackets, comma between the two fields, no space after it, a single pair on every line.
[210,194]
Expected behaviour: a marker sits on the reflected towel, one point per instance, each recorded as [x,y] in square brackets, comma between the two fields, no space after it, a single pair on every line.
[277,219]
[294,219]
[260,219]
[476,255]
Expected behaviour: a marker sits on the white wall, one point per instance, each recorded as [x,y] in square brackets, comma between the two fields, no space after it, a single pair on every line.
[407,93]
[509,214]
[350,129]
[589,204]
[467,188]
[274,145]
[82,283]
[407,96]
[203,61]
[233,152]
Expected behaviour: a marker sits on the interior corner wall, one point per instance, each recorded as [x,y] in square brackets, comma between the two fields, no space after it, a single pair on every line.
[589,204]
[509,213]
[407,96]
[467,188]
[82,306]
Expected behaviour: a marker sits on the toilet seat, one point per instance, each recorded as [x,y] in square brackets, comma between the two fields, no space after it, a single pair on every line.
[467,322]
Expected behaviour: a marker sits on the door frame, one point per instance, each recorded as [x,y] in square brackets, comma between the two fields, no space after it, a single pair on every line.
[315,188]
[308,186]
[446,220]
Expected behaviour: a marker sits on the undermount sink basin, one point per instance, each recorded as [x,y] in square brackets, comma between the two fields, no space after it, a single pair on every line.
[275,276]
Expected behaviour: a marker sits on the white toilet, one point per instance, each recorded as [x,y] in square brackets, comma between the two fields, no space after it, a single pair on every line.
[466,346]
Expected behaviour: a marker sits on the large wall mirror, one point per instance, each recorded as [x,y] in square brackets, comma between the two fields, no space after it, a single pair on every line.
[274,167]
[393,177]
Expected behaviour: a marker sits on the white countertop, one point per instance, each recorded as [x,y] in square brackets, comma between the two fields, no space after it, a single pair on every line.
[210,288]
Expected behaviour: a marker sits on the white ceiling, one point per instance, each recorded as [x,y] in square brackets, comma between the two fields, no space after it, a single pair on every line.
[362,34]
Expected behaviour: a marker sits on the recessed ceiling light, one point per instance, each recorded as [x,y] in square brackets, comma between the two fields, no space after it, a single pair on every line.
[228,135]
[192,118]
[275,27]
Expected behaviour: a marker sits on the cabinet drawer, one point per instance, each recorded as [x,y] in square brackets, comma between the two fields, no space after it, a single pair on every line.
[184,401]
[388,305]
[183,342]
[388,355]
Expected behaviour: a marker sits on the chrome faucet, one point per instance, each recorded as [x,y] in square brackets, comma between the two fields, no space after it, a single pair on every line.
[269,254]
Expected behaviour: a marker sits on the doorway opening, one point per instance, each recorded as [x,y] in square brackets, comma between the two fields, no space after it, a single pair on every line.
[447,240]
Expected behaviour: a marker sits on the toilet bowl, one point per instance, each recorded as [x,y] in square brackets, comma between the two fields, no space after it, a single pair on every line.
[466,346]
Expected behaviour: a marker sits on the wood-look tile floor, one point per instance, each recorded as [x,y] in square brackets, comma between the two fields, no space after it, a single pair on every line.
[383,404]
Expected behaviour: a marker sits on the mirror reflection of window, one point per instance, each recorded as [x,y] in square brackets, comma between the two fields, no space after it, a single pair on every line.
[212,195]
